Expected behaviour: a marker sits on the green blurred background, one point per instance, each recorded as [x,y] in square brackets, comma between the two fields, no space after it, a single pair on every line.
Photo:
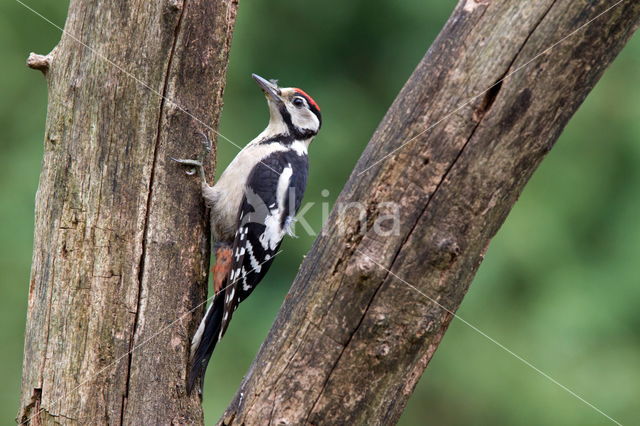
[559,285]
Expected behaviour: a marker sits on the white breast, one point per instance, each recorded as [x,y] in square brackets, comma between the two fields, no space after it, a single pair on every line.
[225,196]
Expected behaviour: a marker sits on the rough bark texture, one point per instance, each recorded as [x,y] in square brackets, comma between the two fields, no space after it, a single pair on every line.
[352,339]
[120,246]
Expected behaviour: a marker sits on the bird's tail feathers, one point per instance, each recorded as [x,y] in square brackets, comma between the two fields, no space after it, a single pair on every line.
[204,341]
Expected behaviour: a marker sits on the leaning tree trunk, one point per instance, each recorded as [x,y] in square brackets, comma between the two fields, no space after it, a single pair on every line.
[354,337]
[120,244]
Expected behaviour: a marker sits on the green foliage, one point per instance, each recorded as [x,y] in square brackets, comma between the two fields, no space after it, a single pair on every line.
[558,287]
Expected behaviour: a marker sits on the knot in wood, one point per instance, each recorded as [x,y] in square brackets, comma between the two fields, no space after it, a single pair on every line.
[360,269]
[53,138]
[380,320]
[383,350]
[444,254]
[471,5]
[174,5]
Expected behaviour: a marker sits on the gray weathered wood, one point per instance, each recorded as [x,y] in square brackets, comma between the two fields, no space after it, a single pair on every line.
[352,339]
[120,246]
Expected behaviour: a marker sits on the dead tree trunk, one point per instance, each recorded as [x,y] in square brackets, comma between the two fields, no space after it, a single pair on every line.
[354,337]
[120,249]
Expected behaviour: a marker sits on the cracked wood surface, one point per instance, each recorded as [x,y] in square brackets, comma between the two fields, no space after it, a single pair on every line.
[352,339]
[121,248]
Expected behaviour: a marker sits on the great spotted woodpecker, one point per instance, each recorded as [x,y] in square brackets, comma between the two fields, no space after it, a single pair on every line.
[252,207]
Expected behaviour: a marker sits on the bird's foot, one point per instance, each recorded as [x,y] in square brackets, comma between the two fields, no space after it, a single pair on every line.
[195,166]
[207,142]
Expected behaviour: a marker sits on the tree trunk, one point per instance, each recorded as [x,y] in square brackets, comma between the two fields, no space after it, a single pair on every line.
[120,246]
[354,336]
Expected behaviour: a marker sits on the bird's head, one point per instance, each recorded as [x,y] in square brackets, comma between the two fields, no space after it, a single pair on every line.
[291,110]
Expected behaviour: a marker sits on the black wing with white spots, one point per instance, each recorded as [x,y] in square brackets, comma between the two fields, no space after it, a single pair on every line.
[272,197]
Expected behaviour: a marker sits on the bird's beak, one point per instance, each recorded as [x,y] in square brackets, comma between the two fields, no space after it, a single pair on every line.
[270,89]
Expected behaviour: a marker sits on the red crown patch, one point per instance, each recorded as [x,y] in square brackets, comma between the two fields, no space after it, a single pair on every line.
[309,98]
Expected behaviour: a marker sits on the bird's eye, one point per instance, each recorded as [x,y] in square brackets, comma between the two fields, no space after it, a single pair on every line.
[298,101]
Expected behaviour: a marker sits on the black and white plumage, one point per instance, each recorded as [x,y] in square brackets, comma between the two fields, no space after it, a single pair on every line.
[274,192]
[253,205]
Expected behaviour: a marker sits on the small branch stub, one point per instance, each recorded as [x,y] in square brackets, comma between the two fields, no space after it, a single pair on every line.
[39,62]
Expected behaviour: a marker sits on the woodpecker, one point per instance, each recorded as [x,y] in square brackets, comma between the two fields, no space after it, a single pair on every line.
[252,207]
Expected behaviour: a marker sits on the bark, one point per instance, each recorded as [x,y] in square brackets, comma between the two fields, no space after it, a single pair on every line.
[120,246]
[353,338]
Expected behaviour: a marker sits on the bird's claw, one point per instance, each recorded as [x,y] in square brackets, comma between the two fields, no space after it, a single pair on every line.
[198,165]
[207,141]
[194,164]
[187,162]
